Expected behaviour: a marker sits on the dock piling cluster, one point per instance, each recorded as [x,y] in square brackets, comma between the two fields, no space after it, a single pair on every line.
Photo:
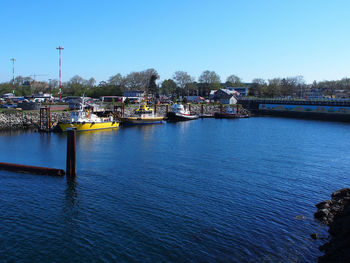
[45,119]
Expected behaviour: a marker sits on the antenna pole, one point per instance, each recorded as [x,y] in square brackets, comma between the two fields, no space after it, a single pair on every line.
[13,75]
[59,52]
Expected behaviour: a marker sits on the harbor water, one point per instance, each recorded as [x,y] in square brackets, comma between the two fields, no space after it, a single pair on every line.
[241,190]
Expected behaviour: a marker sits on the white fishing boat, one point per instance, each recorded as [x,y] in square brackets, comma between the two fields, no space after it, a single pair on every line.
[180,113]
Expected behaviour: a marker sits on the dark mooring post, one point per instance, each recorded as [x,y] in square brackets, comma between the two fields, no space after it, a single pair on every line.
[71,168]
[202,109]
[155,108]
[167,108]
[189,108]
[41,119]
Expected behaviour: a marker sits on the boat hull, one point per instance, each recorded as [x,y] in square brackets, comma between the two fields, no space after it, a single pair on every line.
[142,120]
[219,115]
[174,116]
[88,126]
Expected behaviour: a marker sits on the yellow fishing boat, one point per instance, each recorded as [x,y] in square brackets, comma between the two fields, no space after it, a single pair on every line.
[85,120]
[143,115]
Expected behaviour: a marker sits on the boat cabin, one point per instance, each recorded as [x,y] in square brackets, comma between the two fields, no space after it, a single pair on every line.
[77,116]
[143,109]
[86,116]
[230,110]
[179,108]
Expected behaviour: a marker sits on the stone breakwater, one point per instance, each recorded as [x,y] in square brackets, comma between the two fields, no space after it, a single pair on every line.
[30,120]
[195,109]
[335,213]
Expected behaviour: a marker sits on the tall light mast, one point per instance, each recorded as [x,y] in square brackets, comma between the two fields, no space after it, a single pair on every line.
[13,75]
[59,51]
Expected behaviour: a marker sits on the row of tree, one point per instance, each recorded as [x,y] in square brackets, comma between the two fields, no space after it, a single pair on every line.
[296,87]
[180,84]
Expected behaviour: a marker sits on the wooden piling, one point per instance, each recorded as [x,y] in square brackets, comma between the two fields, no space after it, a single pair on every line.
[71,167]
[189,108]
[45,119]
[118,112]
[167,108]
[202,109]
[20,168]
[155,108]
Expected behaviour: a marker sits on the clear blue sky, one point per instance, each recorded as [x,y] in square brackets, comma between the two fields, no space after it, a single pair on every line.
[252,38]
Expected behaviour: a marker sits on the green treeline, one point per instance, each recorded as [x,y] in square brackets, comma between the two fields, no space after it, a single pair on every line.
[179,85]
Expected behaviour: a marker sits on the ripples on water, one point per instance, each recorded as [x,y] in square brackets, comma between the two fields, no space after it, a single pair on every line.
[208,190]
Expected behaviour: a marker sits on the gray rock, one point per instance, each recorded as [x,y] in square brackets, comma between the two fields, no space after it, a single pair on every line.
[28,120]
[336,214]
[323,205]
[314,236]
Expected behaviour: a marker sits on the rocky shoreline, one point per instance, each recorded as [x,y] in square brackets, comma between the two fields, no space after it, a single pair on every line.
[161,109]
[28,120]
[335,213]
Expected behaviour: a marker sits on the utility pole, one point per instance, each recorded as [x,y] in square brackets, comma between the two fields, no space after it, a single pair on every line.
[13,76]
[59,51]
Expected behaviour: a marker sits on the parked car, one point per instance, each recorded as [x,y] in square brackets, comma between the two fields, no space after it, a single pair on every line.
[8,106]
[133,100]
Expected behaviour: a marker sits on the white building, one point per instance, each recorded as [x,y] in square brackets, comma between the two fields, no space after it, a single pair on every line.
[225,96]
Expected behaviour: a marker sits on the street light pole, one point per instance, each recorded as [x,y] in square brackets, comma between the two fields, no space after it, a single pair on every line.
[13,75]
[59,51]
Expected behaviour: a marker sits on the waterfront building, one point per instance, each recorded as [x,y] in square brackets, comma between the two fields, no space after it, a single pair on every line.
[112,99]
[7,95]
[134,93]
[134,96]
[195,99]
[341,94]
[212,94]
[313,94]
[40,97]
[224,96]
[242,91]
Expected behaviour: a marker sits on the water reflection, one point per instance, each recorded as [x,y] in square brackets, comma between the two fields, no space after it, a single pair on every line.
[89,135]
[147,130]
[15,132]
[45,140]
[70,208]
[86,140]
[183,126]
[96,132]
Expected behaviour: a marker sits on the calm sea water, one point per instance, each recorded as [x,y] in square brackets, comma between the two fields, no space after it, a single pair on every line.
[201,191]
